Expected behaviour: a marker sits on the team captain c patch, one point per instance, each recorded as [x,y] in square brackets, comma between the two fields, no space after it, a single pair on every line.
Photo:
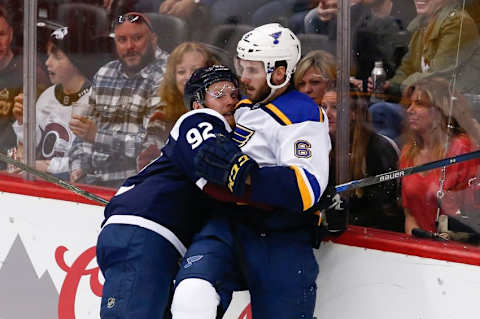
[302,149]
[242,135]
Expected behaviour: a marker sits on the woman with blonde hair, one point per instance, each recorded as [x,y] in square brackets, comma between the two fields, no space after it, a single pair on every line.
[182,62]
[315,73]
[432,134]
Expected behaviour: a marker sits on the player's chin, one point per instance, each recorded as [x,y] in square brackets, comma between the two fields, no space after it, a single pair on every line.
[230,119]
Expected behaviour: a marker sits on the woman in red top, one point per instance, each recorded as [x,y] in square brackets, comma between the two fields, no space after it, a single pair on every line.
[431,137]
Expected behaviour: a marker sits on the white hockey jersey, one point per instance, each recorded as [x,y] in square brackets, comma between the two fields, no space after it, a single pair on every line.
[53,135]
[289,140]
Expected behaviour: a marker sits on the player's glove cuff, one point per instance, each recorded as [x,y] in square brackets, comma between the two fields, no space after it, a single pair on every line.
[239,172]
[222,162]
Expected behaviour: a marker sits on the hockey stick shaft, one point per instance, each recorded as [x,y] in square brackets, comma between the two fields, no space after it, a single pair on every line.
[371,180]
[53,179]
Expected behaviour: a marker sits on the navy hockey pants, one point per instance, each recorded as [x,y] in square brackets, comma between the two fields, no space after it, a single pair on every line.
[139,267]
[278,268]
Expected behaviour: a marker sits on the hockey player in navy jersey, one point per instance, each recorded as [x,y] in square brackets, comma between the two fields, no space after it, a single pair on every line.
[151,219]
[283,162]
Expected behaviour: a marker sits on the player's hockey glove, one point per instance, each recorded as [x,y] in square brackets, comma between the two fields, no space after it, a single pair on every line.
[221,161]
[333,207]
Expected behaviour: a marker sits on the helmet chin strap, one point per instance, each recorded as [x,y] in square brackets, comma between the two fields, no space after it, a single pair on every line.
[274,88]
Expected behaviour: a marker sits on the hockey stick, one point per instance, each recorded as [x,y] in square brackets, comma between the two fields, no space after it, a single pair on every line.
[53,179]
[371,180]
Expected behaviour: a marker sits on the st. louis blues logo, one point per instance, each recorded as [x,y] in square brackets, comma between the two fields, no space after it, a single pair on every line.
[275,37]
[190,260]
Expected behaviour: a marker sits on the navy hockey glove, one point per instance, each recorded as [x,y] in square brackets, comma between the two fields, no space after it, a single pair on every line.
[335,214]
[221,161]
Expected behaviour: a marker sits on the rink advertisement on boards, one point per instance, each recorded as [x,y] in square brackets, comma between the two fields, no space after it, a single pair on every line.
[48,269]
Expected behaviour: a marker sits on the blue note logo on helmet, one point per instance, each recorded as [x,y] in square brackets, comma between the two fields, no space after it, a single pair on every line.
[271,43]
[201,79]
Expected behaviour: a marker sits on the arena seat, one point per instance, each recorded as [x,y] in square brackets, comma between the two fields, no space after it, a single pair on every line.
[170,30]
[226,36]
[93,19]
[311,41]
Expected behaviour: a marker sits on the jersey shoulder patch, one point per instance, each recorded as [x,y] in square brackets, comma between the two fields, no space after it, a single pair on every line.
[199,115]
[294,107]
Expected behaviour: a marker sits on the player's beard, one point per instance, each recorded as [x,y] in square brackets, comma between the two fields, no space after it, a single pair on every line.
[147,57]
[260,94]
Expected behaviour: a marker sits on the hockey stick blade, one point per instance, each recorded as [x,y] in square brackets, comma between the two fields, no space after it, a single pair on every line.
[371,180]
[53,179]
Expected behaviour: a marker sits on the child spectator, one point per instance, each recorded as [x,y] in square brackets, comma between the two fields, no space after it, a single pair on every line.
[54,106]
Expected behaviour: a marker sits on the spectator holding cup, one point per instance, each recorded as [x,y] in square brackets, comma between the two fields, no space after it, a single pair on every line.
[58,105]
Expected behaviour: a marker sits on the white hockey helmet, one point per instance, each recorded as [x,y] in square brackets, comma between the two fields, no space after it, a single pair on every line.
[271,43]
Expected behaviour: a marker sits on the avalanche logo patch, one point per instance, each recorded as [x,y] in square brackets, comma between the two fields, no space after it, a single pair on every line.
[275,37]
[242,135]
[190,260]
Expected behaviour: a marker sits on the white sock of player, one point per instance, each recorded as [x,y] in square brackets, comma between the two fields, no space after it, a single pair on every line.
[195,299]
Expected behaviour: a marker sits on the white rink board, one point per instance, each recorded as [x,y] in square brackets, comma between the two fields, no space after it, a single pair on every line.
[369,284]
[353,282]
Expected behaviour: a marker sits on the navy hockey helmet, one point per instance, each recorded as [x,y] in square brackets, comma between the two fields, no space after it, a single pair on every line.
[201,79]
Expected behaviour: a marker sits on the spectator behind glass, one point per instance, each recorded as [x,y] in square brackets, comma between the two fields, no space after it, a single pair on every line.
[11,83]
[429,137]
[122,99]
[375,29]
[380,36]
[182,62]
[53,107]
[291,12]
[220,11]
[316,72]
[323,18]
[371,154]
[440,29]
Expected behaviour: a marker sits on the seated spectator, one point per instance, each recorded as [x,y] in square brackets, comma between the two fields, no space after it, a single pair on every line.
[11,82]
[220,11]
[371,154]
[378,36]
[431,136]
[315,73]
[290,13]
[54,106]
[182,62]
[375,28]
[122,99]
[445,41]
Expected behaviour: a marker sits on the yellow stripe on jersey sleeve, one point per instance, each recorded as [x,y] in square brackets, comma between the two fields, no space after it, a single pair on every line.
[279,113]
[244,101]
[302,186]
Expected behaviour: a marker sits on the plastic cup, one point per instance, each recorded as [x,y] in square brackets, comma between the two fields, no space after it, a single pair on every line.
[80,109]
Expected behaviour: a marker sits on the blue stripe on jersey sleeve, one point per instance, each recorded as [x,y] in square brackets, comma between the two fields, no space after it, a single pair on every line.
[314,185]
[276,186]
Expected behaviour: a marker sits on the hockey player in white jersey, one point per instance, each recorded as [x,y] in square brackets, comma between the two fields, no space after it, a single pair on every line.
[53,107]
[285,135]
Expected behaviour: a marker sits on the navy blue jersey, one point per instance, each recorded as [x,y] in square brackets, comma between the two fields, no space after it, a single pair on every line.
[167,191]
